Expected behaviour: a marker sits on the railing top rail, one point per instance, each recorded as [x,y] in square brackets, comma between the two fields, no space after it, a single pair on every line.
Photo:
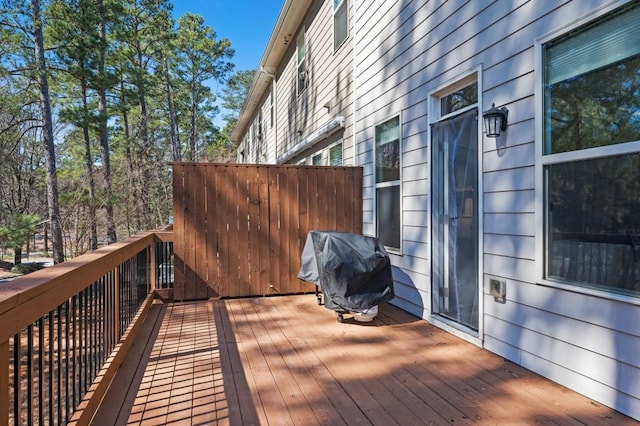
[25,299]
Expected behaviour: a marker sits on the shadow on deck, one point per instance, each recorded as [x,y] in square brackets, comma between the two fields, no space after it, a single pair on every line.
[286,360]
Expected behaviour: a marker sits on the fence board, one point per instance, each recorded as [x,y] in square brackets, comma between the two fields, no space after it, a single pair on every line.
[242,194]
[234,234]
[303,218]
[241,228]
[312,190]
[212,234]
[178,226]
[254,230]
[221,215]
[264,236]
[200,232]
[340,205]
[274,227]
[190,233]
[285,197]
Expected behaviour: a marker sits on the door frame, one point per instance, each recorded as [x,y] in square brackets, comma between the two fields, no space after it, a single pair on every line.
[433,105]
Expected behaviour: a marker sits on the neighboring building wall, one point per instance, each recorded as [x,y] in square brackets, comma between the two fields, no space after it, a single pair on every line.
[258,143]
[407,51]
[329,92]
[329,87]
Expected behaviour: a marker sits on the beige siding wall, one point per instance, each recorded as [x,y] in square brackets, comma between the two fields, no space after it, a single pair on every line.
[329,93]
[330,83]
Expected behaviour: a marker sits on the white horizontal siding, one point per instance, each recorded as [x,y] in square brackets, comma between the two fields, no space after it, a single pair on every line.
[522,247]
[509,223]
[509,201]
[514,268]
[405,50]
[566,335]
[512,158]
[509,179]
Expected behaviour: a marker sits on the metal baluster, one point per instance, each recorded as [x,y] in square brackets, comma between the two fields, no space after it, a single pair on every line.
[30,374]
[59,363]
[17,383]
[51,367]
[74,351]
[41,382]
[68,406]
[91,331]
[94,336]
[79,344]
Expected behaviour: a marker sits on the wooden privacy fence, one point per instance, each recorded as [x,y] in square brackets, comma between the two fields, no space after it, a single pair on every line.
[239,230]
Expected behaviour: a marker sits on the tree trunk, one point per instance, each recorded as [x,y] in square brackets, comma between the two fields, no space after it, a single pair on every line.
[17,256]
[47,132]
[145,152]
[88,160]
[194,134]
[176,151]
[104,135]
[130,210]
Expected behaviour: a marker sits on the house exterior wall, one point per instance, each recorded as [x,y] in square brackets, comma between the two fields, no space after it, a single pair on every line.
[329,92]
[398,60]
[405,52]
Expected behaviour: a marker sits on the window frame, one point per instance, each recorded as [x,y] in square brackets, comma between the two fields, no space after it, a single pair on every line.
[301,63]
[330,147]
[336,8]
[543,160]
[325,155]
[377,185]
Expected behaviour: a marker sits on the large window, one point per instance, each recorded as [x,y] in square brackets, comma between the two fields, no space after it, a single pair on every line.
[340,22]
[591,154]
[387,171]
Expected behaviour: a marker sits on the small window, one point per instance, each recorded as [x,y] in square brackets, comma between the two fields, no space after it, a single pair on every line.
[316,160]
[340,23]
[591,154]
[302,77]
[271,109]
[335,155]
[387,173]
[459,99]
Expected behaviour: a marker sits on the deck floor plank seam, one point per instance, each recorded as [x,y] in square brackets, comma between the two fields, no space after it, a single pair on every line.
[385,407]
[285,360]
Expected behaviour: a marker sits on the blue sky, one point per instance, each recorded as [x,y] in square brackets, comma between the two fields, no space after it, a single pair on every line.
[247,23]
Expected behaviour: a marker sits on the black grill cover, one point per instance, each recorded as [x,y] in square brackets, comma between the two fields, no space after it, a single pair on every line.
[354,271]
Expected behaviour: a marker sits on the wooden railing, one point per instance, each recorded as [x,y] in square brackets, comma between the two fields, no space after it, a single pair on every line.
[65,330]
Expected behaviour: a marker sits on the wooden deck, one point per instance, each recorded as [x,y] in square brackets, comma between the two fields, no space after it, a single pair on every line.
[286,360]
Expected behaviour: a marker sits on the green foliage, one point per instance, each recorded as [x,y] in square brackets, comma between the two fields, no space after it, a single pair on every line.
[26,268]
[235,92]
[16,229]
[157,74]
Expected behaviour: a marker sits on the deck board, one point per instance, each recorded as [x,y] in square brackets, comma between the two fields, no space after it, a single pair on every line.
[286,360]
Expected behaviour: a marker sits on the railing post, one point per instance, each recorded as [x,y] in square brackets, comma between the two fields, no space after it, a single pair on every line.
[4,383]
[154,266]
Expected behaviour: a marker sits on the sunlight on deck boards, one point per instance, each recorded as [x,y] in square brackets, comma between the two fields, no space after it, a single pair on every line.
[286,360]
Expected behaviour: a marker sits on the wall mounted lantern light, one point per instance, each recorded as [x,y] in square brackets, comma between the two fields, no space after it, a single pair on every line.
[495,120]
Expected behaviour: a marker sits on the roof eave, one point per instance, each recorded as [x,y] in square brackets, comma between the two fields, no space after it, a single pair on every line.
[289,20]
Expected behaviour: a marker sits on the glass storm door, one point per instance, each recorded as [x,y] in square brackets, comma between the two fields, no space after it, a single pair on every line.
[455,218]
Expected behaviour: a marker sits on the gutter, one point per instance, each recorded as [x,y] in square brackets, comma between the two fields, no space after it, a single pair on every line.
[286,27]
